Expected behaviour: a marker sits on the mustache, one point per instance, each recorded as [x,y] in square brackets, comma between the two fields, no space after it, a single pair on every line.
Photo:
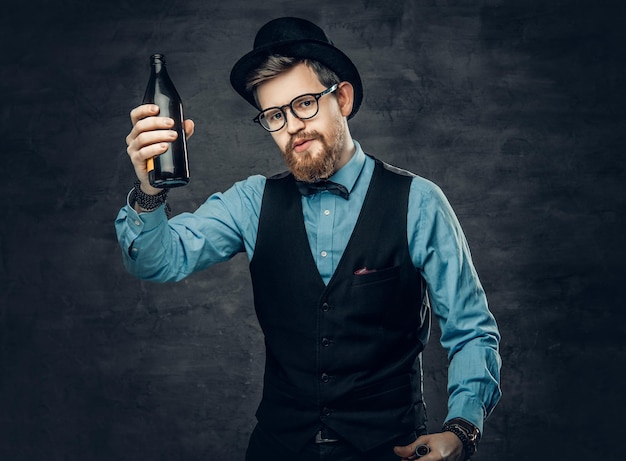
[301,136]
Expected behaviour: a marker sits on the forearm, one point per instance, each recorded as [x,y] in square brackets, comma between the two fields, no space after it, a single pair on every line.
[474,381]
[145,242]
[155,248]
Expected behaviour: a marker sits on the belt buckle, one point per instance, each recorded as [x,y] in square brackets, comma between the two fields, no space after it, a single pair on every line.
[319,438]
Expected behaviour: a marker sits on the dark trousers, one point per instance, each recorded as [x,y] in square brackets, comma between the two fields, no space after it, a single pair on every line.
[264,447]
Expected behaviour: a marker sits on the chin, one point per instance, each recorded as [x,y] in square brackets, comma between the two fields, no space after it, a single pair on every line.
[313,173]
[312,164]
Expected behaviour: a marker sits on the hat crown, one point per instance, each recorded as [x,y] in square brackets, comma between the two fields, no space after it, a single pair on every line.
[289,29]
[300,39]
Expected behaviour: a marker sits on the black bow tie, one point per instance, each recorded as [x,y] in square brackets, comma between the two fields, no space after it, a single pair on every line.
[310,188]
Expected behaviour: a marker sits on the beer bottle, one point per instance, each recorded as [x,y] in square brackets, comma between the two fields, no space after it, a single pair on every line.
[170,169]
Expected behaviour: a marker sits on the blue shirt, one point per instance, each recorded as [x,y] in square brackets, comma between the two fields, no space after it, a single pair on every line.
[226,224]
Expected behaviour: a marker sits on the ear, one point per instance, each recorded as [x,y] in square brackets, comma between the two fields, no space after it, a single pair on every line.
[345,97]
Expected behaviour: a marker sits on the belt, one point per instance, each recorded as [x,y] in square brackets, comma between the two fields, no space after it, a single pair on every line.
[326,435]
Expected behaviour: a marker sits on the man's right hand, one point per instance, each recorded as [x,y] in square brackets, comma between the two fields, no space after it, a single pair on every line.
[150,136]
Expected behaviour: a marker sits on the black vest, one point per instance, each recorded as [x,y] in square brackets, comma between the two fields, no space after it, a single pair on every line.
[347,355]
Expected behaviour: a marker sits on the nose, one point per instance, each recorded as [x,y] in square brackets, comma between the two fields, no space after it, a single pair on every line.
[294,124]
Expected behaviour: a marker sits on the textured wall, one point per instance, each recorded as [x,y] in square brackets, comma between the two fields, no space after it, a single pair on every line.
[515,108]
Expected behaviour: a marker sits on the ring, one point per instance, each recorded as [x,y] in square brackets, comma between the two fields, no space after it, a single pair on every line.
[422,450]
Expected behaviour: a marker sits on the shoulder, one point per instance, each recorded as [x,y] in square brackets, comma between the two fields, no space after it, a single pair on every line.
[247,192]
[422,191]
[252,185]
[419,184]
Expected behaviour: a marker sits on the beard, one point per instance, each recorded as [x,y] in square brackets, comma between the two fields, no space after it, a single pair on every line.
[317,162]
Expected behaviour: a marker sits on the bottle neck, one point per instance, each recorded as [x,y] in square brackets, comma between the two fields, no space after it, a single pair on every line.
[158,62]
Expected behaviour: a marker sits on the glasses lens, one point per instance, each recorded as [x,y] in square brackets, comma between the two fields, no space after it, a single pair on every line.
[272,119]
[305,106]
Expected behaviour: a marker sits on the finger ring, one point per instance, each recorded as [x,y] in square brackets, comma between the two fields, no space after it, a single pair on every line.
[422,450]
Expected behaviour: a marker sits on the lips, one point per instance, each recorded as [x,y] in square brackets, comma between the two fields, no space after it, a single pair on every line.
[302,144]
[303,141]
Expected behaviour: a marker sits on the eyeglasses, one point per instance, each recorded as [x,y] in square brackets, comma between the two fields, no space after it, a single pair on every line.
[303,107]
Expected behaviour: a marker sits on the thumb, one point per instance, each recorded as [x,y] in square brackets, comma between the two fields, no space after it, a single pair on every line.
[189,127]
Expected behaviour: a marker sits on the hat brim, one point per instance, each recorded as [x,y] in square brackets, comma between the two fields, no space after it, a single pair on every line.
[322,52]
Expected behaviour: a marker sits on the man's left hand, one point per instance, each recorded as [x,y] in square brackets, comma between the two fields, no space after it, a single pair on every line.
[444,446]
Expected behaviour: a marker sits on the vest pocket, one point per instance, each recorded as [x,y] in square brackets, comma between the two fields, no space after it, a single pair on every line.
[379,297]
[374,275]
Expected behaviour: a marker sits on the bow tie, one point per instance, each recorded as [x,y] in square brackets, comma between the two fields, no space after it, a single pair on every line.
[310,188]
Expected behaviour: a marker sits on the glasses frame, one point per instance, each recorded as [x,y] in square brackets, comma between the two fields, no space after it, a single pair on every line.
[317,97]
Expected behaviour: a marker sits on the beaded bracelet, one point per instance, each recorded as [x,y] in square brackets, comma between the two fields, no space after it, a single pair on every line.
[148,202]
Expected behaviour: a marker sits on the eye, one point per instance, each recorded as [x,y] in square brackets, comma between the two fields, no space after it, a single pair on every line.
[305,102]
[275,116]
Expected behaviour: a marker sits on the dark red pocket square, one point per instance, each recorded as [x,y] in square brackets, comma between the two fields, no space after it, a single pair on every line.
[363,271]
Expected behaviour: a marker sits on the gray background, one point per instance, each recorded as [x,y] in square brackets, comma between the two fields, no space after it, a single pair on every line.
[515,108]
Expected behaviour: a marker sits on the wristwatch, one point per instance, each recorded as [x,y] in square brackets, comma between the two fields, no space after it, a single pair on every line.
[466,432]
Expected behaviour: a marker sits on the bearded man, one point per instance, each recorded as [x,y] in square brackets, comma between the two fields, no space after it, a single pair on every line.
[349,258]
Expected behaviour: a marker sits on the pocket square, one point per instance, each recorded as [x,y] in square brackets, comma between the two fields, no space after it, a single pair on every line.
[363,271]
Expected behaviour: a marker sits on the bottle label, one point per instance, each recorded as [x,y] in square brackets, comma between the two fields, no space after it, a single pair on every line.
[150,164]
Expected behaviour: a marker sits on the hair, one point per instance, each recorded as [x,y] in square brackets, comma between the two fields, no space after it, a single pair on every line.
[277,64]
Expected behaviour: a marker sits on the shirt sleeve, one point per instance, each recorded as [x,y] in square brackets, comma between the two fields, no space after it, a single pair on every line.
[161,250]
[469,332]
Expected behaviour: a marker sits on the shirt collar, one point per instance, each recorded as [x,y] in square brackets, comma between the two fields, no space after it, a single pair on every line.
[349,173]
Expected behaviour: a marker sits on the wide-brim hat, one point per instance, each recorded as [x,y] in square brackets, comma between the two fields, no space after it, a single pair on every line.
[297,38]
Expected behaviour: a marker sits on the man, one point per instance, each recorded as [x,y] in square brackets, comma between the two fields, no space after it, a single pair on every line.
[347,256]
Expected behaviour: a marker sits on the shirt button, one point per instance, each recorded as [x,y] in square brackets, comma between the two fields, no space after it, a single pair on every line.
[326,212]
[137,222]
[324,254]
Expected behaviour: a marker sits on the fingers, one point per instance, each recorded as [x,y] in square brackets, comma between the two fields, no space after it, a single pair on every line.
[145,120]
[442,445]
[154,135]
[143,111]
[408,452]
[150,136]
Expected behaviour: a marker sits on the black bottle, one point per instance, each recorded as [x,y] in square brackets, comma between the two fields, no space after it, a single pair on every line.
[170,169]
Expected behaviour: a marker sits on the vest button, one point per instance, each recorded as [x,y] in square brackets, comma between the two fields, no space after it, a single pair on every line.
[325,378]
[325,307]
[326,411]
[325,342]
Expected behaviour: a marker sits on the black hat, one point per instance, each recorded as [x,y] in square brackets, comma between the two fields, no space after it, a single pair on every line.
[296,38]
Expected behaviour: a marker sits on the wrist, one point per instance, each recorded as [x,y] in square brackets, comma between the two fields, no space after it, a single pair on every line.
[148,189]
[147,202]
[468,434]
